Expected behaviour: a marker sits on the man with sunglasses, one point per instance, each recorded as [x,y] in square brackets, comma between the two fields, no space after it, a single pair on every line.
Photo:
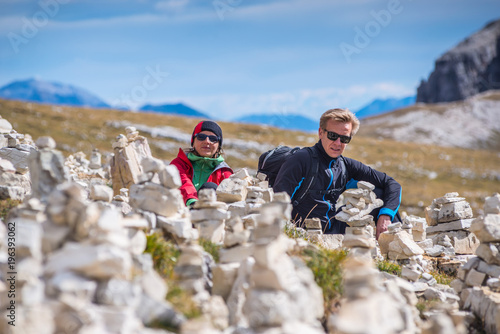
[202,165]
[334,175]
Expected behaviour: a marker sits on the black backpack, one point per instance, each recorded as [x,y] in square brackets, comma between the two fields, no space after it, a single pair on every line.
[271,161]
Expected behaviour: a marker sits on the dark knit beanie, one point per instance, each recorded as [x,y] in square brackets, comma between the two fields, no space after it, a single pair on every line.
[207,126]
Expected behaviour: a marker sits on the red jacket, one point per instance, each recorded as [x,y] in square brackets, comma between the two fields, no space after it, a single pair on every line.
[185,167]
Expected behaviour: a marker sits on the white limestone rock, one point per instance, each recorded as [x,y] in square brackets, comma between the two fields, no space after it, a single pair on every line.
[93,261]
[460,224]
[167,202]
[454,211]
[46,142]
[492,204]
[69,283]
[100,192]
[18,158]
[5,126]
[232,190]
[28,238]
[170,177]
[178,226]
[487,229]
[118,292]
[403,247]
[224,276]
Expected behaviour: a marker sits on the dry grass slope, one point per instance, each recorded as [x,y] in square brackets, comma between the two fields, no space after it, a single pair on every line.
[425,172]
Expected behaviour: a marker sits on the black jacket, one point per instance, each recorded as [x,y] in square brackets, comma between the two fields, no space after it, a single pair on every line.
[319,202]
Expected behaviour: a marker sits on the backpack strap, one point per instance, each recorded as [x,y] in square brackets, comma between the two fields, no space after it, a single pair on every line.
[311,176]
[343,181]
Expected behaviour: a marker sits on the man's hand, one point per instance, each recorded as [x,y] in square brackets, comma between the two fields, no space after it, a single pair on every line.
[382,223]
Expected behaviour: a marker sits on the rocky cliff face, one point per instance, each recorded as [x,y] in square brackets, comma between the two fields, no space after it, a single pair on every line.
[471,67]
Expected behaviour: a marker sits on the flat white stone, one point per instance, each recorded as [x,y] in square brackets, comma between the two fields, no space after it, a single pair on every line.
[461,224]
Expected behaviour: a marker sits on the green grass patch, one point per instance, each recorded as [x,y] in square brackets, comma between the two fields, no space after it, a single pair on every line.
[165,255]
[5,206]
[326,266]
[442,277]
[211,248]
[389,267]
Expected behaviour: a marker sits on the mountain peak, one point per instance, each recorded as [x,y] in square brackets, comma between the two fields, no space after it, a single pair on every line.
[380,106]
[471,67]
[36,90]
[176,108]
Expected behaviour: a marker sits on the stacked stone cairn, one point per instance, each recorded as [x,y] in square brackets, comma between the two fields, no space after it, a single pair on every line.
[209,216]
[373,302]
[377,302]
[129,150]
[167,211]
[418,227]
[397,244]
[46,168]
[478,281]
[14,152]
[79,265]
[449,219]
[80,167]
[356,205]
[281,295]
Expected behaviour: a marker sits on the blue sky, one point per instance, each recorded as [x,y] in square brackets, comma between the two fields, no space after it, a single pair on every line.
[230,58]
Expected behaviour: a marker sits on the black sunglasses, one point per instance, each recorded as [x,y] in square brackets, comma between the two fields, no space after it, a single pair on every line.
[211,138]
[334,136]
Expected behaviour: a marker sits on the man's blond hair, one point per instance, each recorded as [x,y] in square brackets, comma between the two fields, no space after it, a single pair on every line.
[340,115]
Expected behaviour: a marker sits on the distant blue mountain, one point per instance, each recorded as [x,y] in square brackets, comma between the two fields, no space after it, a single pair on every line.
[178,109]
[284,121]
[51,93]
[378,106]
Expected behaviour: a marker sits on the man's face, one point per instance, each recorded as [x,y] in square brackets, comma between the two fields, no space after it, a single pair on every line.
[334,148]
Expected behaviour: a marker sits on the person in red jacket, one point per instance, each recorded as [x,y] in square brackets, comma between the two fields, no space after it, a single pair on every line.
[202,165]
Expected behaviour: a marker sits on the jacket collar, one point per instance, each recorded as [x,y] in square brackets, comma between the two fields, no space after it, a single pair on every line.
[322,152]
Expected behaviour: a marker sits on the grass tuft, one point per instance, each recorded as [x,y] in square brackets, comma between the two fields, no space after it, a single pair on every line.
[165,255]
[326,266]
[389,267]
[211,248]
[6,205]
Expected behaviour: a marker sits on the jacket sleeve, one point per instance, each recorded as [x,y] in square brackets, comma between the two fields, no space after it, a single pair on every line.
[292,173]
[391,188]
[226,174]
[187,188]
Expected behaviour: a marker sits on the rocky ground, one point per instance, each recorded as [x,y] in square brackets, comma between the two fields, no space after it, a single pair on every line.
[72,253]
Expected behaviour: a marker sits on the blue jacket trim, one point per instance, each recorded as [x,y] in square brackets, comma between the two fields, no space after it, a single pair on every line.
[389,212]
[351,184]
[329,205]
[297,187]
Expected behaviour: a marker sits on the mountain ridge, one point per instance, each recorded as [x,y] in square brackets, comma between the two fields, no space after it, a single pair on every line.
[34,90]
[176,109]
[380,106]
